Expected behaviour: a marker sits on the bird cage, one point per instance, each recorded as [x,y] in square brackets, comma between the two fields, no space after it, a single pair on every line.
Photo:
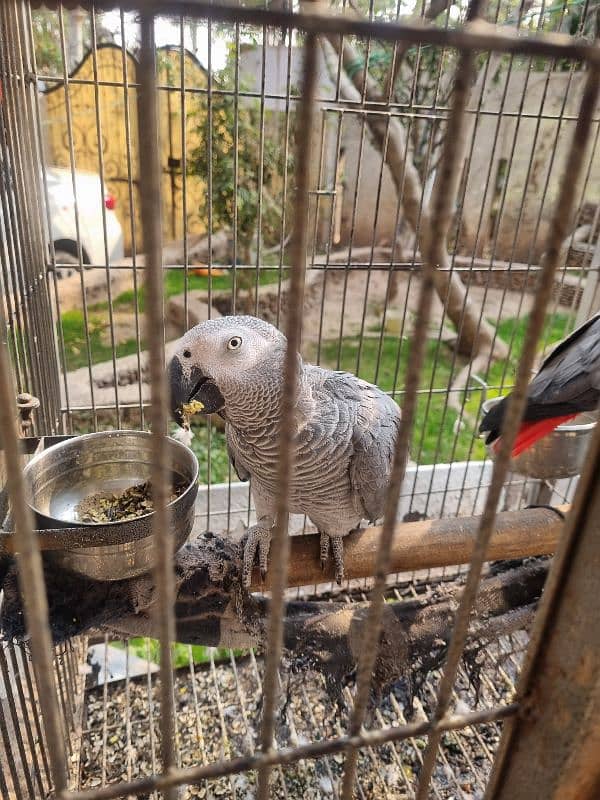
[410,193]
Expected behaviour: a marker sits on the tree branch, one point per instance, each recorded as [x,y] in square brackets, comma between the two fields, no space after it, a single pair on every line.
[474,334]
[433,10]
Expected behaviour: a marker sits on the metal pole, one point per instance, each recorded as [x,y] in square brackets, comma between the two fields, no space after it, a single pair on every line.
[551,749]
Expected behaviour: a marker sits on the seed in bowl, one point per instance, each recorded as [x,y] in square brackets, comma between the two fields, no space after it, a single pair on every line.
[120,506]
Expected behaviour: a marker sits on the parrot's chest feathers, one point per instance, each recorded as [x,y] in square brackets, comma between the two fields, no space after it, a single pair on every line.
[321,466]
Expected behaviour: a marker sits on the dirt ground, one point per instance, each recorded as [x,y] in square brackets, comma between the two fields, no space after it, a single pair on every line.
[357,299]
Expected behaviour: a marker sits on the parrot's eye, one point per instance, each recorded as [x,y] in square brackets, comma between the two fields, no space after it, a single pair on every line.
[187,354]
[234,343]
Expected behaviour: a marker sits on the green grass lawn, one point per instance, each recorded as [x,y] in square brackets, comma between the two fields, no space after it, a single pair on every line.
[76,344]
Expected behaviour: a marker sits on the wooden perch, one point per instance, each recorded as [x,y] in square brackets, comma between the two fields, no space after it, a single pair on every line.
[415,633]
[427,544]
[211,608]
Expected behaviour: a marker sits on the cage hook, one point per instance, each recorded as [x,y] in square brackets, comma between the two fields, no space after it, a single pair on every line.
[26,403]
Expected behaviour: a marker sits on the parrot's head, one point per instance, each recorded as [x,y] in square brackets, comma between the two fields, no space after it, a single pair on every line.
[231,366]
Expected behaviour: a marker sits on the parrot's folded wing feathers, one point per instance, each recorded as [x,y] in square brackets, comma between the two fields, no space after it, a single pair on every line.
[374,440]
[240,471]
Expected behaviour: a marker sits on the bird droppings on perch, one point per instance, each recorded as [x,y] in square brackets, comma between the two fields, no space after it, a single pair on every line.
[212,608]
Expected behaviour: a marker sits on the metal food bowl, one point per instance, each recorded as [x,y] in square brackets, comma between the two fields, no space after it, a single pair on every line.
[560,454]
[59,478]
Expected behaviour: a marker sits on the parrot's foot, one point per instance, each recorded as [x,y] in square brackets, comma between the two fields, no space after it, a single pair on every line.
[337,548]
[258,538]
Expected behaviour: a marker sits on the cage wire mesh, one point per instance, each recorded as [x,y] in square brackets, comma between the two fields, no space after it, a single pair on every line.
[395,203]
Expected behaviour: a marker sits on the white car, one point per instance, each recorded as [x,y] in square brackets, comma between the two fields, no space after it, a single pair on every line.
[91,221]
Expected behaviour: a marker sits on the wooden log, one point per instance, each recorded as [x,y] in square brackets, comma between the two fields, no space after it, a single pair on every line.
[426,545]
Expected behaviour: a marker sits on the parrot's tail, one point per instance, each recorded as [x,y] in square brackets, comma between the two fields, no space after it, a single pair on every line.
[530,432]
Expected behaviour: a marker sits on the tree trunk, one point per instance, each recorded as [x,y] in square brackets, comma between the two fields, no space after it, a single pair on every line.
[475,336]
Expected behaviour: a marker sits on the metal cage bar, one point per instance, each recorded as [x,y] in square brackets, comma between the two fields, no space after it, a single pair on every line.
[435,218]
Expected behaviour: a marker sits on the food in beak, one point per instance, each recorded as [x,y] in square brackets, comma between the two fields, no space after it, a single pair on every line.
[189,409]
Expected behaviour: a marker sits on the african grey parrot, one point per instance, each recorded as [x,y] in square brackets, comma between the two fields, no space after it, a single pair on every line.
[567,384]
[344,439]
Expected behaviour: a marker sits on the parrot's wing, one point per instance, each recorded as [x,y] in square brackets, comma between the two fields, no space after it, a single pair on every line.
[374,441]
[240,471]
[376,426]
[567,383]
[569,379]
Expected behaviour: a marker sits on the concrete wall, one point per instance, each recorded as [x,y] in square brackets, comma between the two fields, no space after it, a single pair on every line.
[538,145]
[532,148]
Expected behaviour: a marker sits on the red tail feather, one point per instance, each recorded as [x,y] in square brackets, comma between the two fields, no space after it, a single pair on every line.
[530,432]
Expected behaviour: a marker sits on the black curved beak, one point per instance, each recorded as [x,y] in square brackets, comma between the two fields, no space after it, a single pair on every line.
[194,386]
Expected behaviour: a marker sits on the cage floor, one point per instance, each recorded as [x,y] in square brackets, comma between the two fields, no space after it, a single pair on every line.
[218,707]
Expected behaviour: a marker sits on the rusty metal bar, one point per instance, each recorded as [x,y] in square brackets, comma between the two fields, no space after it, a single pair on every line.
[515,410]
[160,476]
[31,578]
[445,189]
[291,755]
[425,545]
[281,547]
[479,35]
[551,749]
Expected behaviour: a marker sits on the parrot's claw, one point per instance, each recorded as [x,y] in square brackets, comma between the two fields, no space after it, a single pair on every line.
[258,538]
[337,547]
[324,546]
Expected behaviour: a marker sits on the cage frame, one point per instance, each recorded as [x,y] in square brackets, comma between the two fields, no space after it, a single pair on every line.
[580,538]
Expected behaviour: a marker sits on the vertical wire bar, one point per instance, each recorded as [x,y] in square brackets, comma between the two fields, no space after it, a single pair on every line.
[442,205]
[183,134]
[236,175]
[339,117]
[104,714]
[261,158]
[26,714]
[62,700]
[99,139]
[284,188]
[209,213]
[47,376]
[69,113]
[128,747]
[133,230]
[31,579]
[12,767]
[21,242]
[54,303]
[37,721]
[150,712]
[516,407]
[151,224]
[281,546]
[6,677]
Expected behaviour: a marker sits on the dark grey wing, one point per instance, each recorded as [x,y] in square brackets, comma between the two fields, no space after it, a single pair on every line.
[569,379]
[376,425]
[240,470]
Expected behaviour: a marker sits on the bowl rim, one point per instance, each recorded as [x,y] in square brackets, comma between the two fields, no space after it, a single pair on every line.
[568,427]
[117,433]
